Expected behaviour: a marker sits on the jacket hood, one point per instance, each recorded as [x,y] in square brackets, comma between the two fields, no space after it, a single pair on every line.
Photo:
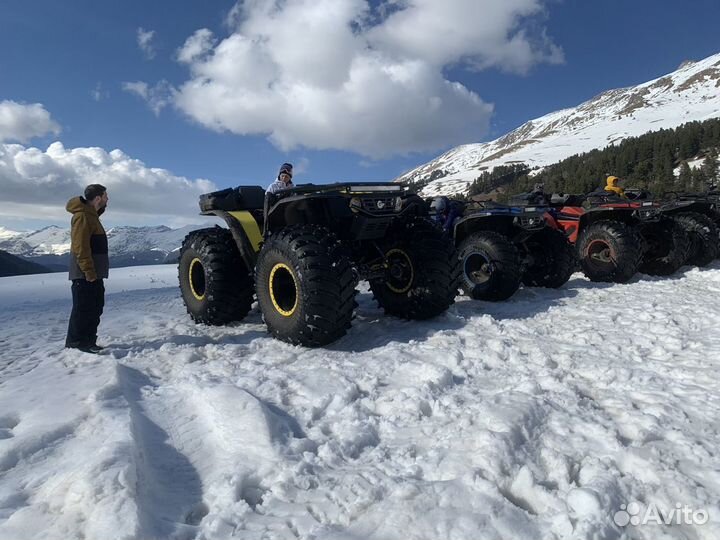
[612,181]
[79,204]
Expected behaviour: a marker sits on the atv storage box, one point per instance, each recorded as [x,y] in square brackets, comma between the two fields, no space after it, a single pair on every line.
[239,198]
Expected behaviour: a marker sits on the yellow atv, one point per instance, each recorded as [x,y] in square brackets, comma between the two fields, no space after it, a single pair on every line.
[301,252]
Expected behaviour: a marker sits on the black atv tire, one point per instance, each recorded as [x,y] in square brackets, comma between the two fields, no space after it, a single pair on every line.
[610,251]
[305,286]
[422,278]
[703,235]
[215,283]
[674,248]
[490,266]
[553,259]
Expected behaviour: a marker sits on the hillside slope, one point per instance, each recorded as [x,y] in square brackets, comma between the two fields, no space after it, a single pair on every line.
[10,265]
[690,93]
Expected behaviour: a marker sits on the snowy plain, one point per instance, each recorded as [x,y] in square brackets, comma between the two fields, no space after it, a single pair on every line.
[539,417]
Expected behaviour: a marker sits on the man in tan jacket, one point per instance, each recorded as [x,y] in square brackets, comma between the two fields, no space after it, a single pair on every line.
[89,265]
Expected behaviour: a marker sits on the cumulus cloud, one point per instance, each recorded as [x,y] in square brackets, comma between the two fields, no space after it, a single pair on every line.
[157,97]
[481,34]
[145,42]
[21,122]
[38,183]
[340,74]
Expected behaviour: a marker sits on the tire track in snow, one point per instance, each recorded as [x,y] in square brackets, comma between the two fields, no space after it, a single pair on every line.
[168,490]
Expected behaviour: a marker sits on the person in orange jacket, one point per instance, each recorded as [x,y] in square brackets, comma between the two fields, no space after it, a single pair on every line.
[612,187]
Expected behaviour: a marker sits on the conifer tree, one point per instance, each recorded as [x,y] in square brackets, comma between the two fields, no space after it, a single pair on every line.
[685,178]
[710,166]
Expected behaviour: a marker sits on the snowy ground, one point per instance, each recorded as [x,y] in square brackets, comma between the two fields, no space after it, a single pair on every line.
[534,418]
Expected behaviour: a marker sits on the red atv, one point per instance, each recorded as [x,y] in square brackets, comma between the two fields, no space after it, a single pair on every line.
[615,238]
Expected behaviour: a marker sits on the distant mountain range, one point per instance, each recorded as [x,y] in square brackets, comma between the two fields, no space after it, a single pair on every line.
[10,265]
[128,246]
[690,93]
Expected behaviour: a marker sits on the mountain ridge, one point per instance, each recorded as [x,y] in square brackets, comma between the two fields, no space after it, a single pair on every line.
[128,245]
[692,92]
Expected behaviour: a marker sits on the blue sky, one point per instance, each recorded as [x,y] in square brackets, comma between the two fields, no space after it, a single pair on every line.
[74,57]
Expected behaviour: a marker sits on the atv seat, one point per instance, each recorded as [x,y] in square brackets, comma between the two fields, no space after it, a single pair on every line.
[566,199]
[604,197]
[529,199]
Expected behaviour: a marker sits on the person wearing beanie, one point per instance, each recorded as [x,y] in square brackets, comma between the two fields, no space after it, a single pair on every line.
[283,180]
[89,265]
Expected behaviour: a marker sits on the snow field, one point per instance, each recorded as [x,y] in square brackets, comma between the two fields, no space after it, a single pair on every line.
[533,418]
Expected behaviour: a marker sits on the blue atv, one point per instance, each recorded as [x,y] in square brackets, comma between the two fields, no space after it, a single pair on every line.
[502,246]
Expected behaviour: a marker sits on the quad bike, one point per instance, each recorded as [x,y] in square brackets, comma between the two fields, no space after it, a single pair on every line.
[502,246]
[301,253]
[698,215]
[615,238]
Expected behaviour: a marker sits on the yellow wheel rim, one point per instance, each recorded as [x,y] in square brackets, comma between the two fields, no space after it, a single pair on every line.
[283,287]
[195,272]
[400,284]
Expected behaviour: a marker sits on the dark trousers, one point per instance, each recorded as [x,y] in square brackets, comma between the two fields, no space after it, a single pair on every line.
[88,302]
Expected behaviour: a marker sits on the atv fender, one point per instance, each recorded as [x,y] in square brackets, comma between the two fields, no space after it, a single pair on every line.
[245,232]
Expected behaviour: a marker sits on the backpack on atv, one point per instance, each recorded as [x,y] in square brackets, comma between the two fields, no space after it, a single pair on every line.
[301,252]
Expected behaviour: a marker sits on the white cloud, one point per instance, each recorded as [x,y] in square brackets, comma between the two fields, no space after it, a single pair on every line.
[492,33]
[301,166]
[196,46]
[37,183]
[139,88]
[21,122]
[145,42]
[338,74]
[99,93]
[157,97]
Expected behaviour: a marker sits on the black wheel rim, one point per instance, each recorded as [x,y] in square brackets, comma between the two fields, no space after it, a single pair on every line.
[478,268]
[400,273]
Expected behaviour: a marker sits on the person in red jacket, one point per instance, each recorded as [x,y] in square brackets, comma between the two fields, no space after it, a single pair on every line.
[89,265]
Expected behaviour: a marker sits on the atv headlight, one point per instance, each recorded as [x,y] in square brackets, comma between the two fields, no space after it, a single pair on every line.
[398,204]
[355,204]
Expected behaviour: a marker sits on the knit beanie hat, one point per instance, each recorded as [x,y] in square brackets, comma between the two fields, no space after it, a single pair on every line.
[286,168]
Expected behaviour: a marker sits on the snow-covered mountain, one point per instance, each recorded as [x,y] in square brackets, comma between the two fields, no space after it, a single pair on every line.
[6,234]
[52,240]
[688,94]
[127,245]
